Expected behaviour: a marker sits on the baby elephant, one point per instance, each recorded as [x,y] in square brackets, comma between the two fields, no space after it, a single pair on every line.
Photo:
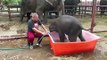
[68,25]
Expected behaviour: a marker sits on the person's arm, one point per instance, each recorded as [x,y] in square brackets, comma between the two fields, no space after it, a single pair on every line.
[44,28]
[38,31]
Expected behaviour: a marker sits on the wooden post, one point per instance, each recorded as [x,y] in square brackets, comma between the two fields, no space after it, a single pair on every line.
[9,13]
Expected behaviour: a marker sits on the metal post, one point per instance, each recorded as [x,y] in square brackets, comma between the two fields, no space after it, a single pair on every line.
[93,15]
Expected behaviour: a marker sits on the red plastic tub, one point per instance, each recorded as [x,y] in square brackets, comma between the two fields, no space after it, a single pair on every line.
[62,48]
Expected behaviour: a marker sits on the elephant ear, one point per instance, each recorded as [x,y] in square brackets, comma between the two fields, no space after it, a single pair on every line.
[54,23]
[52,27]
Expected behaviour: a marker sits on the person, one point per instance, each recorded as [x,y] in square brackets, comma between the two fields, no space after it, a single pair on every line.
[33,30]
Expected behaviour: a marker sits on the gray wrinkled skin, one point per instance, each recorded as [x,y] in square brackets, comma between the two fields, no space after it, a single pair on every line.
[68,25]
[39,6]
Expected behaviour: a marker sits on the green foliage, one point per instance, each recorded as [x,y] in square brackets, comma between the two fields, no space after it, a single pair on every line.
[0,1]
[11,2]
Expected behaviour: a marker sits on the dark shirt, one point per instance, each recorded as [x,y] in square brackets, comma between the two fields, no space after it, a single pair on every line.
[31,24]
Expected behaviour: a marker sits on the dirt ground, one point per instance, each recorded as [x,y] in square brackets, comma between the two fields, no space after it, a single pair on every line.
[45,53]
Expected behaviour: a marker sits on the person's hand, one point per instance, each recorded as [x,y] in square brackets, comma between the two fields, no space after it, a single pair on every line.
[48,32]
[44,33]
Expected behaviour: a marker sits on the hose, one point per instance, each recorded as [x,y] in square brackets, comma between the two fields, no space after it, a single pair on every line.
[20,48]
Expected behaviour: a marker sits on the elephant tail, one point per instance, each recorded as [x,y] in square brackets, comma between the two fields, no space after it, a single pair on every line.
[87,29]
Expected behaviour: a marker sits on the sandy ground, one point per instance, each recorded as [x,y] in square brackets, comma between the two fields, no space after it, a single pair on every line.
[45,53]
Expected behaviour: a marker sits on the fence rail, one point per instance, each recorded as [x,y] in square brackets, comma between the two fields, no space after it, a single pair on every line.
[81,9]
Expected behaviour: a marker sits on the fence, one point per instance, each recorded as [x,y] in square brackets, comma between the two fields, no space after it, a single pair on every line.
[9,10]
[86,9]
[82,9]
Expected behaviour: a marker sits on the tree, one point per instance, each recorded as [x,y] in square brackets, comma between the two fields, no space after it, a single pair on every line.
[11,2]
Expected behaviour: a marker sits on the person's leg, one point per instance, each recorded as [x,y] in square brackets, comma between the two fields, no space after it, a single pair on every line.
[30,38]
[40,37]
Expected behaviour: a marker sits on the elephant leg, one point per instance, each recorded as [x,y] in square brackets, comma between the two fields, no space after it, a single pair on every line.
[28,16]
[72,38]
[45,16]
[81,36]
[62,37]
[60,13]
[102,10]
[50,15]
[22,15]
[72,11]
